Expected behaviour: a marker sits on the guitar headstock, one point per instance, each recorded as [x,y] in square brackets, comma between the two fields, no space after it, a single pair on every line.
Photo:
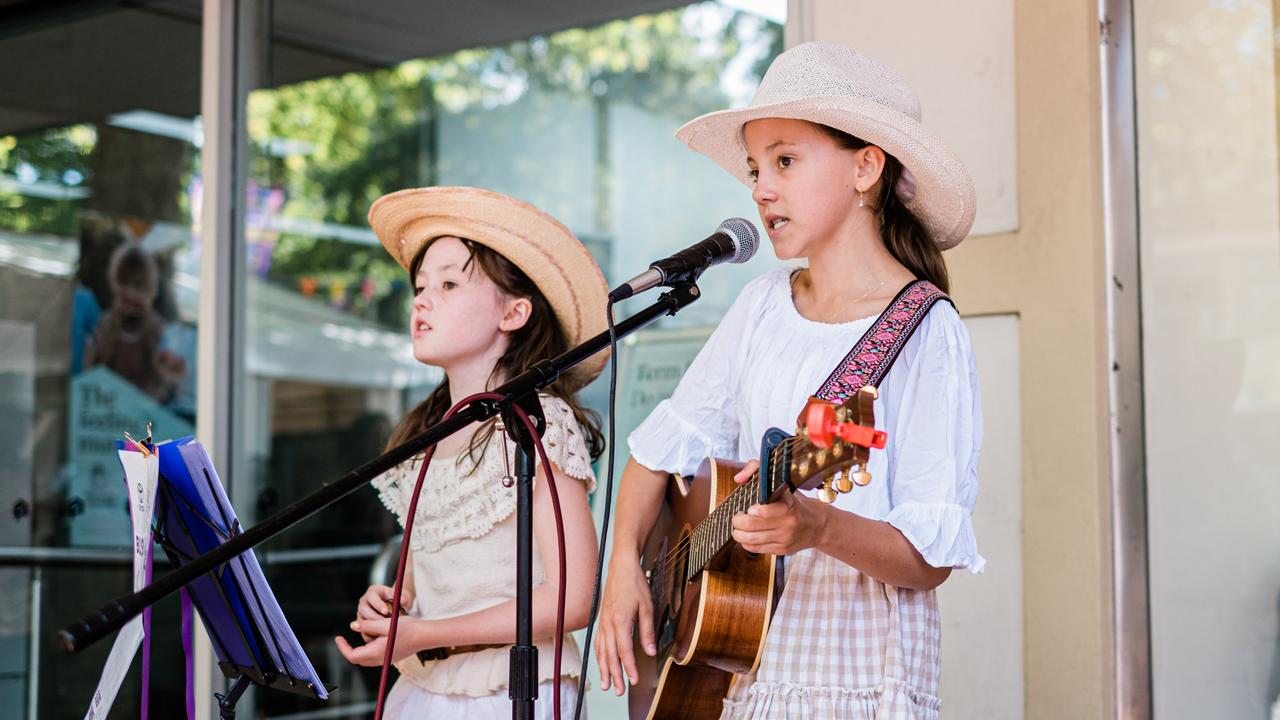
[835,440]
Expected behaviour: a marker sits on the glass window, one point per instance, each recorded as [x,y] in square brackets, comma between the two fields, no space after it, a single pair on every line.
[572,114]
[98,179]
[1210,230]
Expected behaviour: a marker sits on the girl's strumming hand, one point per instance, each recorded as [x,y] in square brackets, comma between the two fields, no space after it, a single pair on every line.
[411,636]
[625,605]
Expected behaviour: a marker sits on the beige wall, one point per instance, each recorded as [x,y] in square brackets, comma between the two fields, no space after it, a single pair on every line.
[1049,272]
[982,614]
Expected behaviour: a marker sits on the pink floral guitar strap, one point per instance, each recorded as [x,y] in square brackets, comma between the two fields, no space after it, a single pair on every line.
[870,359]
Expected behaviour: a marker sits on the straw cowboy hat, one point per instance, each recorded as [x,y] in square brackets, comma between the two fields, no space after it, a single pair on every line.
[544,249]
[832,85]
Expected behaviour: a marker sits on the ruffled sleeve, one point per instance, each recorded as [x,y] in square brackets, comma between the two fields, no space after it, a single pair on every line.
[700,419]
[564,442]
[394,486]
[937,434]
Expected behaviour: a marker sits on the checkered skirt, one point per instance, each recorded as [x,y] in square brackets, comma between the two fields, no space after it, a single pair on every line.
[843,645]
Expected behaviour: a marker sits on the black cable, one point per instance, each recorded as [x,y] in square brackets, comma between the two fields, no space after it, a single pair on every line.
[608,506]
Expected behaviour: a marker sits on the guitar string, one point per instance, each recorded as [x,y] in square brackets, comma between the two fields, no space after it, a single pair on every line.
[716,516]
[735,499]
[669,565]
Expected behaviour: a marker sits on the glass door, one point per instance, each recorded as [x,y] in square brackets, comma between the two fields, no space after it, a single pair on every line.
[1210,252]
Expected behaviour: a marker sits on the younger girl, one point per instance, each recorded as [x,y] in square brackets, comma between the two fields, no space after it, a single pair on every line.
[498,286]
[845,176]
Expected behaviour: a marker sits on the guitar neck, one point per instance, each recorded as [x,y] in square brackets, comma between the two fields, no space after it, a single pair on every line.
[716,529]
[848,432]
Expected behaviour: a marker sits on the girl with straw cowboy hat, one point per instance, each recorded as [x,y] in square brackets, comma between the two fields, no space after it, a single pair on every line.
[845,176]
[498,285]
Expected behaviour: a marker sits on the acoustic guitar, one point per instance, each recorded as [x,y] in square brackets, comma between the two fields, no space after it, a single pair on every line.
[712,600]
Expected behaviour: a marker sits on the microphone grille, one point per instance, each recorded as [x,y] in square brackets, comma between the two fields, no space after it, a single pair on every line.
[745,238]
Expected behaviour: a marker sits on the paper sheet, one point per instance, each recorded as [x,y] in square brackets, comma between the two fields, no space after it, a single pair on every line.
[141,474]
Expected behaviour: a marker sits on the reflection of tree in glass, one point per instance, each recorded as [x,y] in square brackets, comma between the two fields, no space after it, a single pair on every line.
[338,143]
[54,158]
[111,171]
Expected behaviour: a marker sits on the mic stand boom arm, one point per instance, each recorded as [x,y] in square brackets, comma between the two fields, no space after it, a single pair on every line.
[115,614]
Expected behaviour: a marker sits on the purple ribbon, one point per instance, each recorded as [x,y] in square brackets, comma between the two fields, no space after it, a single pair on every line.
[187,641]
[146,637]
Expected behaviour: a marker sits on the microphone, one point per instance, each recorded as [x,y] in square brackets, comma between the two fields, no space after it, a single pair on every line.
[734,241]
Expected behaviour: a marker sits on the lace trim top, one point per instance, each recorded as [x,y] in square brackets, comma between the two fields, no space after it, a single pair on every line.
[462,499]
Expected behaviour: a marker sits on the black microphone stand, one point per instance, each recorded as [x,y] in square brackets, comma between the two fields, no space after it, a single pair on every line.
[522,685]
[521,390]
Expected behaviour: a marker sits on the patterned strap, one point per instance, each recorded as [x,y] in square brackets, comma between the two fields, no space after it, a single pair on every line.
[870,359]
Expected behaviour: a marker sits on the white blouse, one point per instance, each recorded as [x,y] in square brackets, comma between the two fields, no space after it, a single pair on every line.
[765,359]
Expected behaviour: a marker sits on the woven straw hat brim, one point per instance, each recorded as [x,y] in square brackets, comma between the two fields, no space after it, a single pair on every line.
[944,202]
[543,248]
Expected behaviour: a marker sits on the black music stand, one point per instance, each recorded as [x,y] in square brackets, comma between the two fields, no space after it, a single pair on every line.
[250,635]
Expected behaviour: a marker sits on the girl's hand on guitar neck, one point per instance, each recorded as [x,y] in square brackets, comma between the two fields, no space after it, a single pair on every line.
[796,522]
[792,523]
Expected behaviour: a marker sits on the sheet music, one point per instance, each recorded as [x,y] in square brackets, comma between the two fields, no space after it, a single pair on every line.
[118,662]
[286,652]
[141,473]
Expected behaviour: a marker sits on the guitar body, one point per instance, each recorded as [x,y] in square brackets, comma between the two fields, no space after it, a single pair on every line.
[710,626]
[712,600]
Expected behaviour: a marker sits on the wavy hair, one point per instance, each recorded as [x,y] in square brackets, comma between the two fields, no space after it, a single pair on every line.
[539,338]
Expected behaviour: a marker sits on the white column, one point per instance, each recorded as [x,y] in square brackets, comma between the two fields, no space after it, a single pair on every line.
[220,306]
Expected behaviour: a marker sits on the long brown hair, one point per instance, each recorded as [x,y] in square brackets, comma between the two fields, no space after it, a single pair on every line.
[541,337]
[904,237]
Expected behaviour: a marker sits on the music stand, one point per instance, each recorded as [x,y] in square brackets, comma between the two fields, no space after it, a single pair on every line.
[250,635]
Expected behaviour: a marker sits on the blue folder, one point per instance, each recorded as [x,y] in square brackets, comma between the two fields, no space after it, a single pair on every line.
[249,632]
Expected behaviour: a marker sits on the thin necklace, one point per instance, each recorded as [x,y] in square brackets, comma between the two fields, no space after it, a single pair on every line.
[841,306]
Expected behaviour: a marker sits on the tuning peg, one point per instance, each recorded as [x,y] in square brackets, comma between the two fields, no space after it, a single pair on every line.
[862,478]
[843,483]
[826,494]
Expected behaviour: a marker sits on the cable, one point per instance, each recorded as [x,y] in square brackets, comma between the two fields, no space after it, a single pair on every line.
[408,528]
[608,507]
